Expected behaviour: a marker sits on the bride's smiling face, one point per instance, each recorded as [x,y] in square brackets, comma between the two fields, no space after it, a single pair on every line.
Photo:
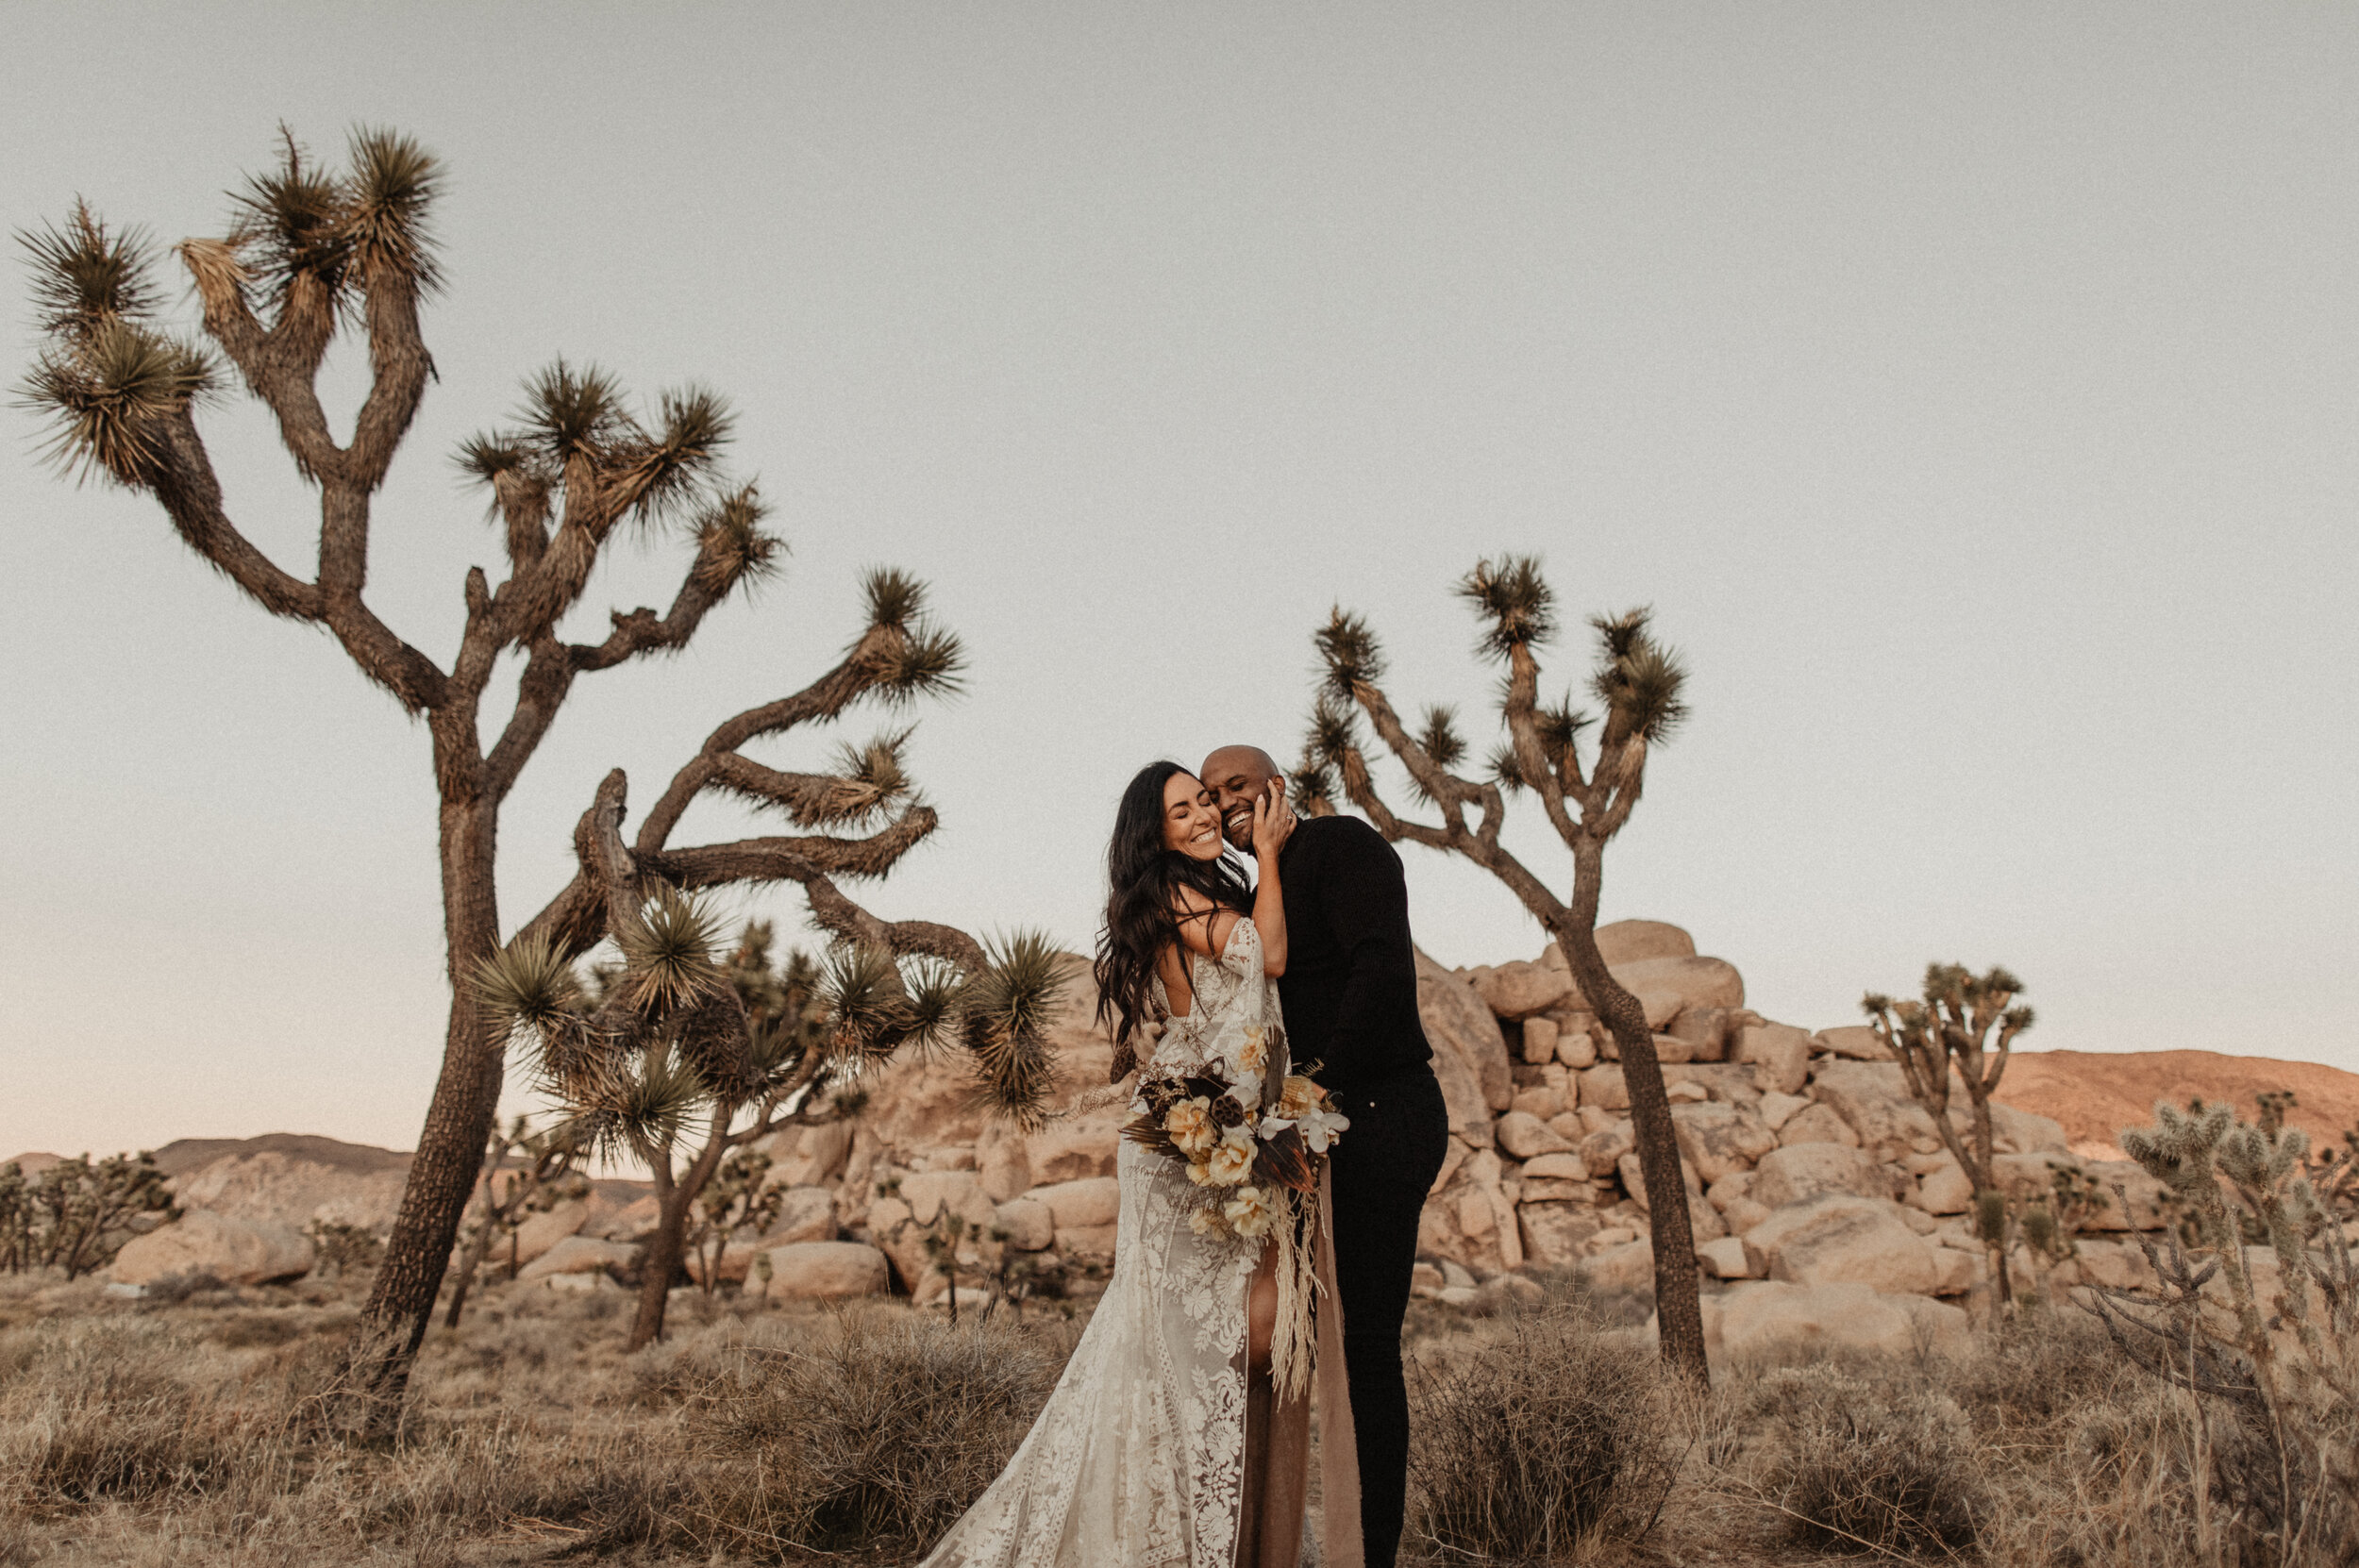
[1191,824]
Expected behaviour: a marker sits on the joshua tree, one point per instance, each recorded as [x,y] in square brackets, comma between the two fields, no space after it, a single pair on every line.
[661,1060]
[740,1197]
[1952,1031]
[1639,683]
[542,1178]
[75,1215]
[311,253]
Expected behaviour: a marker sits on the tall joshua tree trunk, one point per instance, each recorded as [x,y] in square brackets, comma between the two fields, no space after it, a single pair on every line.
[444,1172]
[1679,1300]
[309,254]
[1639,683]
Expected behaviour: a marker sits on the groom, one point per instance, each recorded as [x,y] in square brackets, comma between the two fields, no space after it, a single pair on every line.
[1351,996]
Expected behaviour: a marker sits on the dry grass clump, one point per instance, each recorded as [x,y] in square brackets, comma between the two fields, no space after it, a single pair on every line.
[1871,1464]
[198,1433]
[1536,1440]
[873,1436]
[97,1413]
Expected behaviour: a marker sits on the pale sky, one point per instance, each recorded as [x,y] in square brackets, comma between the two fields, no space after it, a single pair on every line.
[1972,390]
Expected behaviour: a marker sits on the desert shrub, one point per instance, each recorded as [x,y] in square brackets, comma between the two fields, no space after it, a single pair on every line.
[1861,1464]
[1536,1440]
[2034,1372]
[173,1289]
[876,1433]
[344,1249]
[101,1415]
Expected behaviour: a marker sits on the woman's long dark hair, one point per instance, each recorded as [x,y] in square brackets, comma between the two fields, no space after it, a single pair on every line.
[1144,879]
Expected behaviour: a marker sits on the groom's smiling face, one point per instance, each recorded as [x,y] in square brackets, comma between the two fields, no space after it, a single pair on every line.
[1237,777]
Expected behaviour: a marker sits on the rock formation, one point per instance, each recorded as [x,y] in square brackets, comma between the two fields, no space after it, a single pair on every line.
[1820,1191]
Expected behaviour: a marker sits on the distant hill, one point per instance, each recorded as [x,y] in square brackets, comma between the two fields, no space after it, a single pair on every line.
[183,1155]
[2097,1094]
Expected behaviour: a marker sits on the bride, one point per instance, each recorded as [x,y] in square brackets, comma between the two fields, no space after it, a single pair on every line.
[1180,1432]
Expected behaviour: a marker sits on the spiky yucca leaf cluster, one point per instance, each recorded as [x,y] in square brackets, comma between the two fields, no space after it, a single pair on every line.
[108,378]
[576,426]
[1517,607]
[668,955]
[925,659]
[732,549]
[1315,785]
[86,277]
[1639,680]
[681,1027]
[1008,1008]
[1350,654]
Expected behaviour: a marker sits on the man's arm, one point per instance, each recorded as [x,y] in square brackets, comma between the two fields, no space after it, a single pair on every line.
[1364,898]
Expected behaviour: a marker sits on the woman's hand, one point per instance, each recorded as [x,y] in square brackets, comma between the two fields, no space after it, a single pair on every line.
[1273,822]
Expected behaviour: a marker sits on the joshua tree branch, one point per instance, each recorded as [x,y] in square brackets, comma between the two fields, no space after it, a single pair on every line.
[279,364]
[1444,787]
[771,859]
[641,631]
[1483,847]
[907,938]
[1521,711]
[399,365]
[184,481]
[856,674]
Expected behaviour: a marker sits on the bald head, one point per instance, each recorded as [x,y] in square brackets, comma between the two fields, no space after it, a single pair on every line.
[1237,775]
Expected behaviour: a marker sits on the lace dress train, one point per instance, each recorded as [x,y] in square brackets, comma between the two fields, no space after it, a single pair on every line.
[1139,1456]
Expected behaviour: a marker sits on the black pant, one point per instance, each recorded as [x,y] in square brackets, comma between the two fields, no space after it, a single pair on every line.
[1383,1168]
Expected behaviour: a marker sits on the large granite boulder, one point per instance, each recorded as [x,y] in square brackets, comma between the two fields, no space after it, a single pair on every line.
[1519,990]
[1780,1056]
[1840,1240]
[287,1180]
[1624,942]
[581,1255]
[1718,1138]
[1090,1202]
[1469,1052]
[1527,1137]
[1800,1172]
[809,1155]
[805,1214]
[234,1251]
[1759,1319]
[1695,982]
[1030,1225]
[826,1271]
[1003,1161]
[544,1230]
[1873,1097]
[1554,1232]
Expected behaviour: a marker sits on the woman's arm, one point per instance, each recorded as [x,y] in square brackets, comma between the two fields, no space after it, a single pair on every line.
[1273,822]
[1205,927]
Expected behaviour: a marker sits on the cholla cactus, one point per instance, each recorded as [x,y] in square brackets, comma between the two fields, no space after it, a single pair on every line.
[2286,1369]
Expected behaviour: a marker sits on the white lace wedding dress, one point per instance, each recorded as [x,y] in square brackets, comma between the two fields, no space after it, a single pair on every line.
[1139,1457]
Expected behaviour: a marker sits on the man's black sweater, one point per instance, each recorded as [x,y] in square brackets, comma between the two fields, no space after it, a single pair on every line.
[1351,986]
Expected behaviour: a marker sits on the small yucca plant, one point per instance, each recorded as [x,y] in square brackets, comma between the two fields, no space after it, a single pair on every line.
[683,1052]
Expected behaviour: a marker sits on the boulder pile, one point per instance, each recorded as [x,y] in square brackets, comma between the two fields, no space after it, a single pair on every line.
[1809,1166]
[1820,1194]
